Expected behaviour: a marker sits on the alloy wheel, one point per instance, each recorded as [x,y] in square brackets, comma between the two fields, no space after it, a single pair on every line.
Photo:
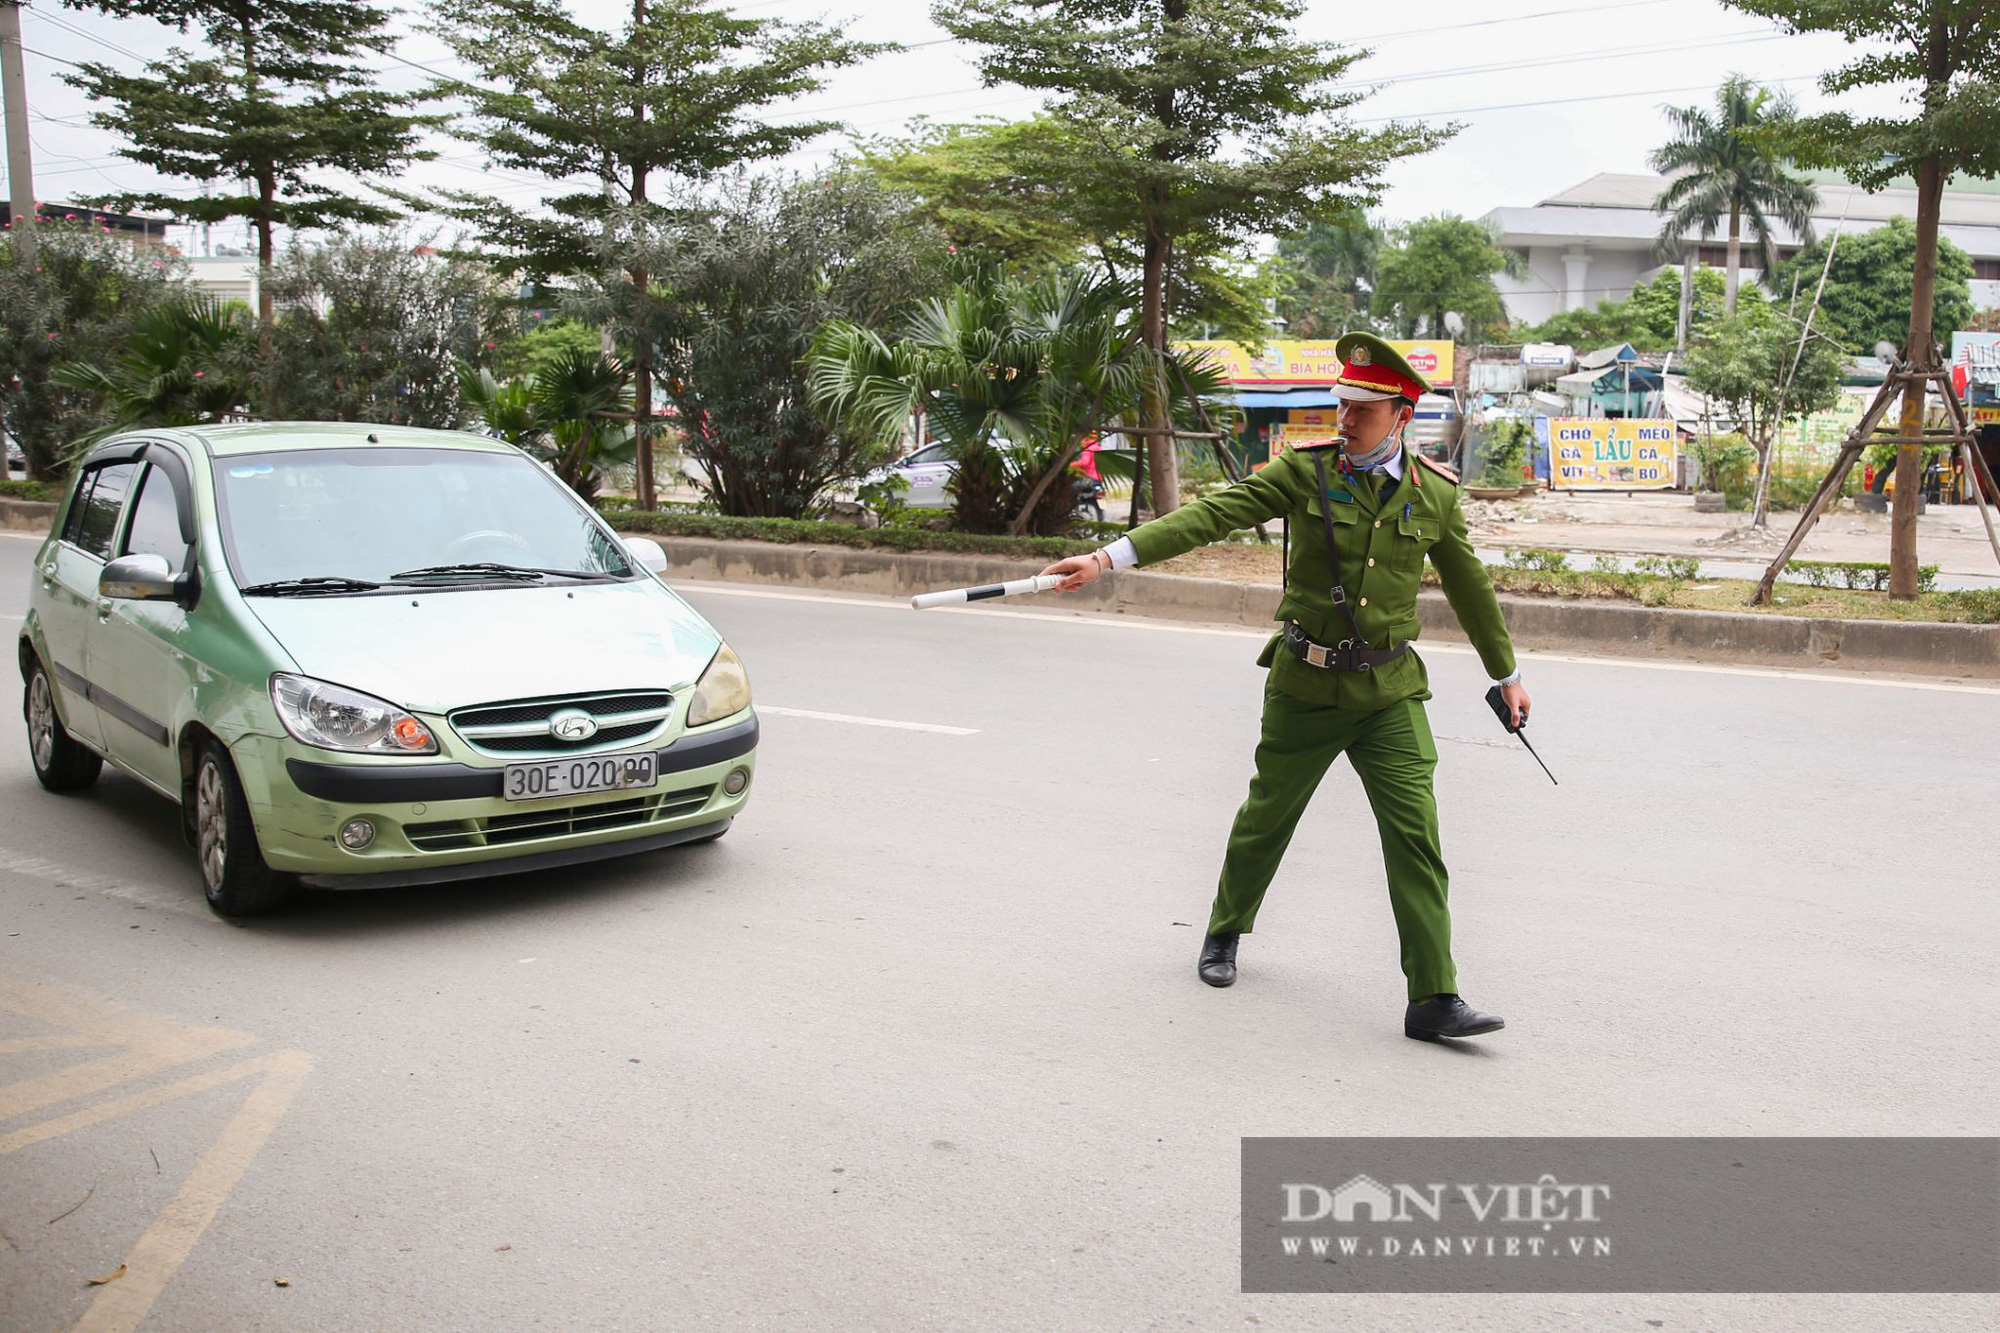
[211,837]
[41,721]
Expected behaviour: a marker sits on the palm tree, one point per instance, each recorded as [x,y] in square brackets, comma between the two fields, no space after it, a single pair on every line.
[1013,376]
[573,414]
[187,361]
[1331,268]
[1727,168]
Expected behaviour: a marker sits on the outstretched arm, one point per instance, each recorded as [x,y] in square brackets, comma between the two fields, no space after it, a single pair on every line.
[1257,498]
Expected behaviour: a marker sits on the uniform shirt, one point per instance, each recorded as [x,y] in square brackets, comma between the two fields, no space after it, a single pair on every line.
[1382,543]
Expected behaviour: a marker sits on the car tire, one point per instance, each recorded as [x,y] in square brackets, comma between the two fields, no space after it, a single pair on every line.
[61,762]
[233,874]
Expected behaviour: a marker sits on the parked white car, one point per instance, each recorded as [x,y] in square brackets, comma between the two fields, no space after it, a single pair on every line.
[927,471]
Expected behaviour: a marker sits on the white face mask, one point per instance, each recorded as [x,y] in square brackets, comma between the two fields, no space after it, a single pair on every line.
[1381,453]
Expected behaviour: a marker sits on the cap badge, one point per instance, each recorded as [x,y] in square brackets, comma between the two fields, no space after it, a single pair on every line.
[1358,357]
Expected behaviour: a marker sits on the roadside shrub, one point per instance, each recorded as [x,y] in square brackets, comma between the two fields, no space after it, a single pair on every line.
[1975,606]
[1538,558]
[1863,575]
[1683,567]
[31,490]
[801,531]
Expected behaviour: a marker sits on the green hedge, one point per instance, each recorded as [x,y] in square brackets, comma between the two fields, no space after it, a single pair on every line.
[1872,575]
[30,490]
[801,532]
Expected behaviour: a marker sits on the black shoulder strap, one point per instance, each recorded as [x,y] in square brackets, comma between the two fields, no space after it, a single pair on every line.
[1332,554]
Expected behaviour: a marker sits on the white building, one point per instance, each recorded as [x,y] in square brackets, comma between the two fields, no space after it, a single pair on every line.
[225,277]
[1594,241]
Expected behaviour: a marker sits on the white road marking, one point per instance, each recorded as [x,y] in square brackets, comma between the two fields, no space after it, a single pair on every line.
[1105,620]
[64,875]
[868,721]
[25,536]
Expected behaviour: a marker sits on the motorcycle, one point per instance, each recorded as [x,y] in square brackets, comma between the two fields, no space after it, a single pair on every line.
[1087,499]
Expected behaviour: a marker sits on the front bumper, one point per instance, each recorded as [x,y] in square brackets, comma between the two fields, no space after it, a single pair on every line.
[439,821]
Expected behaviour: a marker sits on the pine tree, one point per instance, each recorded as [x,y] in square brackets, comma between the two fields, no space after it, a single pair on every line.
[1950,51]
[1151,95]
[669,98]
[278,97]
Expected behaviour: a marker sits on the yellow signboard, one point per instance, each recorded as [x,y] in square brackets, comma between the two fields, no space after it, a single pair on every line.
[1282,363]
[1985,416]
[1814,442]
[1285,434]
[1597,453]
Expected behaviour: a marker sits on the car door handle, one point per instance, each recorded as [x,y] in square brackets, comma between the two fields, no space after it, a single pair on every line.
[104,608]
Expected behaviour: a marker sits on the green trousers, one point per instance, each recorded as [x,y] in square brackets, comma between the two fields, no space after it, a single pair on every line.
[1394,755]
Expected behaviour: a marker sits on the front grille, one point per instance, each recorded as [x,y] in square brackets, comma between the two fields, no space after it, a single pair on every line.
[452,835]
[522,726]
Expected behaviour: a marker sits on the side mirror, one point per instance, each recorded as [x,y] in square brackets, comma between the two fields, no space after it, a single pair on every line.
[138,578]
[648,554]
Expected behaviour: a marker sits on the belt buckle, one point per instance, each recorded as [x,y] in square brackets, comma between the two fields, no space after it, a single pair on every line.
[1316,654]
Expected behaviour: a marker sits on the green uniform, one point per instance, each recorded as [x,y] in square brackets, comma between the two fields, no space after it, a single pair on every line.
[1312,715]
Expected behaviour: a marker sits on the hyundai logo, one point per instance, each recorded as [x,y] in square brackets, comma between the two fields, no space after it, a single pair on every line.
[572,725]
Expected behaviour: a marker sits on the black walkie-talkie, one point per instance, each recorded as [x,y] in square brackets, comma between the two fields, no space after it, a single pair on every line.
[1506,716]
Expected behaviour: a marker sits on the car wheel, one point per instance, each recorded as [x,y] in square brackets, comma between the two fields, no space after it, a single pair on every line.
[233,874]
[61,762]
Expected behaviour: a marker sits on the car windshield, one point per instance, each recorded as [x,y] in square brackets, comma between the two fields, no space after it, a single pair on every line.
[382,515]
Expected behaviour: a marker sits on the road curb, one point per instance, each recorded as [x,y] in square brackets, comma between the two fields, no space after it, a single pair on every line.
[1544,624]
[26,514]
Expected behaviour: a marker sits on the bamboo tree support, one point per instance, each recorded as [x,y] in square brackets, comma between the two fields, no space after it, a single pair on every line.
[1902,379]
[1138,485]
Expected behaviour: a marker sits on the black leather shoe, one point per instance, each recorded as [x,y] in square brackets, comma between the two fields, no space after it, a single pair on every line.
[1218,959]
[1447,1016]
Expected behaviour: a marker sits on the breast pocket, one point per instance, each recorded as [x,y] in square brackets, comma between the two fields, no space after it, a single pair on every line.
[1415,534]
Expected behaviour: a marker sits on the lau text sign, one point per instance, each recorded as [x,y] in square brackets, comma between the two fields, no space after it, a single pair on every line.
[1598,453]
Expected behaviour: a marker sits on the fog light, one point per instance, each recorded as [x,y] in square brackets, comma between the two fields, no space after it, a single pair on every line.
[356,834]
[736,782]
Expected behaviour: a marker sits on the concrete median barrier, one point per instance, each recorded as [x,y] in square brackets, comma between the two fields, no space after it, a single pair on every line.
[1548,624]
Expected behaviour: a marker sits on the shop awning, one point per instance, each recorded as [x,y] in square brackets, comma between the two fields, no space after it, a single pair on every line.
[1286,398]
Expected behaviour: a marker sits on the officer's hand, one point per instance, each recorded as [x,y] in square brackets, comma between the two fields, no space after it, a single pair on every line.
[1515,696]
[1079,571]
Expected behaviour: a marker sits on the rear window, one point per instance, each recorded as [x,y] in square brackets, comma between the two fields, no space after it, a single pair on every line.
[93,519]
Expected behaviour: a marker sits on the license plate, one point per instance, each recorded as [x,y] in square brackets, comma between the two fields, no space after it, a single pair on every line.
[571,777]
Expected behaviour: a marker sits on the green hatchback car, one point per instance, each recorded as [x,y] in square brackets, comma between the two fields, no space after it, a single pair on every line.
[368,656]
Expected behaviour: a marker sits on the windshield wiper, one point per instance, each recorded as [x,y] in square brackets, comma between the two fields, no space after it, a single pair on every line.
[485,569]
[308,587]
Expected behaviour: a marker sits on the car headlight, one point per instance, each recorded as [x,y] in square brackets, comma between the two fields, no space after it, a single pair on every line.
[332,717]
[724,689]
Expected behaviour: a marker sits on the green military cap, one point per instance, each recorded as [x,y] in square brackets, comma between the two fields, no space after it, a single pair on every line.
[1370,368]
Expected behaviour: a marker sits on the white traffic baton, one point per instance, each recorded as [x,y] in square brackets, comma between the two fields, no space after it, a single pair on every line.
[960,596]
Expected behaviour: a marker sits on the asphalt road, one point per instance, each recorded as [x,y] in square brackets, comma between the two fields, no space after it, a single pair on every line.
[920,1044]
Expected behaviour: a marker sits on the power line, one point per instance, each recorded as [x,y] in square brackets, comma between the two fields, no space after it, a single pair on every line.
[87,35]
[1508,18]
[1605,53]
[1565,101]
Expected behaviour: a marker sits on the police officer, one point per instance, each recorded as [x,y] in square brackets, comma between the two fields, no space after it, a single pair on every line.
[1343,678]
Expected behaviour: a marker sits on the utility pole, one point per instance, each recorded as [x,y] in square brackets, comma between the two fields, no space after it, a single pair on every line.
[20,167]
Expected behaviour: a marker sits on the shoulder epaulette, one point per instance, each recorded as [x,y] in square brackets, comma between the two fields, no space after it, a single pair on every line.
[1438,468]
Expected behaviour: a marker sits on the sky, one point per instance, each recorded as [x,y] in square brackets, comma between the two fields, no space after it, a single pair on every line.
[1548,92]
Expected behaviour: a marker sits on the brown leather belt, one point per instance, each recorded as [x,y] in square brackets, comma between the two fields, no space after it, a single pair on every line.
[1341,656]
